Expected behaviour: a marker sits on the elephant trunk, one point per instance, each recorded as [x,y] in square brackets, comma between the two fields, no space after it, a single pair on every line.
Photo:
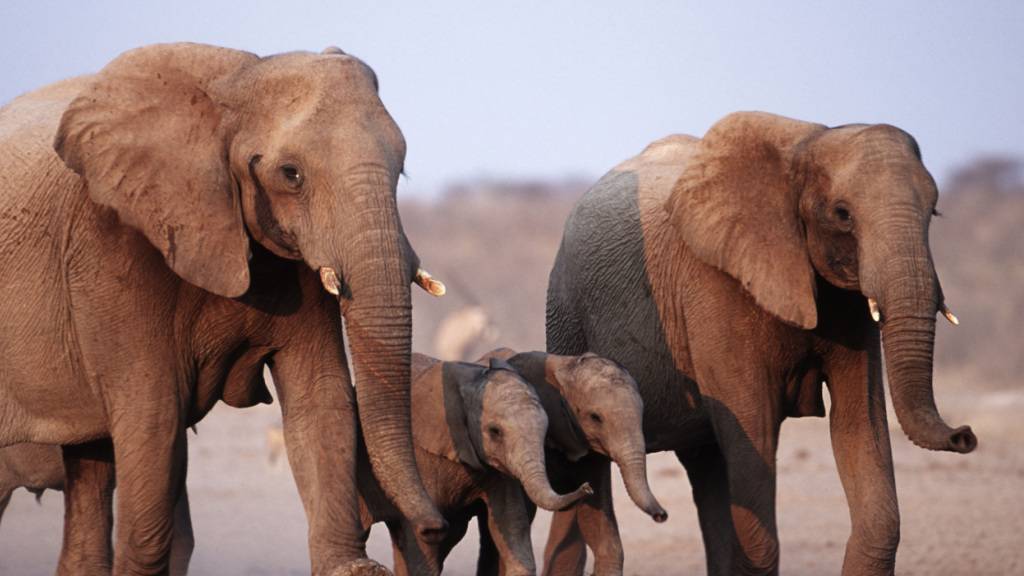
[378,320]
[909,300]
[533,475]
[632,463]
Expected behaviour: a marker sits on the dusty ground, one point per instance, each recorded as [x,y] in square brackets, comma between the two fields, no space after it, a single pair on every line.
[961,515]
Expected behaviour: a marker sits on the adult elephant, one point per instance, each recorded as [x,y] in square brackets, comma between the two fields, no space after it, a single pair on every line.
[732,275]
[162,224]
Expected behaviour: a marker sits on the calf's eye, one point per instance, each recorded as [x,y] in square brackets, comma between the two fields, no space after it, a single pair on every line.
[292,175]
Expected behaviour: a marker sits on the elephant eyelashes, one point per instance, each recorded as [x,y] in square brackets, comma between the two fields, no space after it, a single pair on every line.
[291,175]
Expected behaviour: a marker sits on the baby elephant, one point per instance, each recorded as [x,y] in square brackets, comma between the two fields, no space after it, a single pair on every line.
[478,432]
[40,467]
[595,413]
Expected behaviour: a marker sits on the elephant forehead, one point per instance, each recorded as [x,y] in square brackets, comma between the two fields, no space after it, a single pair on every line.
[505,393]
[298,79]
[603,374]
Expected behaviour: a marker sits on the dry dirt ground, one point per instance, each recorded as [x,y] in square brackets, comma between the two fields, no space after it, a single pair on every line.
[961,514]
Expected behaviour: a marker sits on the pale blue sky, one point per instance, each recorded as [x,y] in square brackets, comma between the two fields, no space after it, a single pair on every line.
[552,88]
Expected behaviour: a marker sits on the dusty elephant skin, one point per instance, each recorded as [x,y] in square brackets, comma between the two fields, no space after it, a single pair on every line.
[731,276]
[479,435]
[595,413]
[163,224]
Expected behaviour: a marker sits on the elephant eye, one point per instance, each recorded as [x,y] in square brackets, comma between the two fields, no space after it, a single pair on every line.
[291,175]
[843,213]
[495,432]
[596,418]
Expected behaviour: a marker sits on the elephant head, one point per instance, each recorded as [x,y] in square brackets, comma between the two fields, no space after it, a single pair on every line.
[503,425]
[604,402]
[779,204]
[205,149]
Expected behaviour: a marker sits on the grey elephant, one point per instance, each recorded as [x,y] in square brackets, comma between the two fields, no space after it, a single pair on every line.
[479,432]
[40,467]
[595,413]
[734,275]
[164,224]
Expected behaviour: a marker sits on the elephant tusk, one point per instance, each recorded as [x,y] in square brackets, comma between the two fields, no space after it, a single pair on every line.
[329,278]
[949,315]
[427,282]
[873,307]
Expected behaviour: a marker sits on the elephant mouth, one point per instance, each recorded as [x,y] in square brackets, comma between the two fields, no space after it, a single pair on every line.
[333,285]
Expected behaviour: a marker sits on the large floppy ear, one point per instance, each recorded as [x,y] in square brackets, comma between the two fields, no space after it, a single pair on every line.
[147,136]
[456,414]
[735,207]
[564,433]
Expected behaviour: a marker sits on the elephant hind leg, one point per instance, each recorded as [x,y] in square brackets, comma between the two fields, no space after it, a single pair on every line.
[88,509]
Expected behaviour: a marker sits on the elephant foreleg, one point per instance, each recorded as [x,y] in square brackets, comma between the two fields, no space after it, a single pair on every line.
[565,552]
[710,483]
[745,416]
[592,523]
[860,444]
[318,412]
[508,526]
[88,509]
[151,452]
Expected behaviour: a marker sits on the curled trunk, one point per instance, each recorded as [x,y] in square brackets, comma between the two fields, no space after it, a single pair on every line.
[909,305]
[909,343]
[534,478]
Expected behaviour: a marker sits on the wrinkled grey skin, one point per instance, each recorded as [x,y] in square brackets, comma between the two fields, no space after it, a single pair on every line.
[163,222]
[40,467]
[731,275]
[595,414]
[478,433]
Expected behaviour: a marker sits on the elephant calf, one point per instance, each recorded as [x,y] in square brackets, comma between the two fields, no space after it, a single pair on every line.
[40,467]
[478,432]
[595,413]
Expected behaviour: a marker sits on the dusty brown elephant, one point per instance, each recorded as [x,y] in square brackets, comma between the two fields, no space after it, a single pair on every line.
[40,467]
[163,224]
[733,275]
[479,436]
[595,414]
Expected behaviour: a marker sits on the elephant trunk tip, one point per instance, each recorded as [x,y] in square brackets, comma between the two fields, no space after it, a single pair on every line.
[658,514]
[431,529]
[963,440]
[945,439]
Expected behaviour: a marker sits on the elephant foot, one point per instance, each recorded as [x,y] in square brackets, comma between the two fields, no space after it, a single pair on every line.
[362,567]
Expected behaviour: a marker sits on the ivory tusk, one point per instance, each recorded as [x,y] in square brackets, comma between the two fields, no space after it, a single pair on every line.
[950,316]
[427,282]
[329,278]
[873,307]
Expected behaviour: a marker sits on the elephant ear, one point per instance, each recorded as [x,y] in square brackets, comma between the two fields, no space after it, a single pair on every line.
[457,416]
[736,209]
[148,139]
